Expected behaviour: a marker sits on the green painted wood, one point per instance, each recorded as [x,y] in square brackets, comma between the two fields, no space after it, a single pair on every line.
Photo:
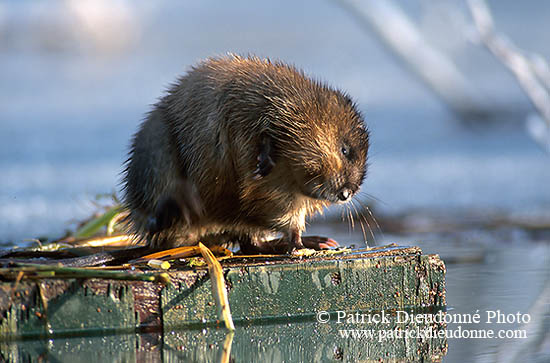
[71,308]
[259,290]
[358,283]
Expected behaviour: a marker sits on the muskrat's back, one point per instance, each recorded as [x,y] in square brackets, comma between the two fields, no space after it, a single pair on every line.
[240,150]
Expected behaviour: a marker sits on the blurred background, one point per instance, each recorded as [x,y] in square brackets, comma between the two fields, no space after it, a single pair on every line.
[77,77]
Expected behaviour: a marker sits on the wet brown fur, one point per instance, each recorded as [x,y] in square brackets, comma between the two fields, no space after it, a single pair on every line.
[198,151]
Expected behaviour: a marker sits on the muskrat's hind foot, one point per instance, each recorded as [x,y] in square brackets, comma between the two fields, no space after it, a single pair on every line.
[265,159]
[171,210]
[167,213]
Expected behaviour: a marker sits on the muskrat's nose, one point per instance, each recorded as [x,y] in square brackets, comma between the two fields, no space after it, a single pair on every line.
[344,194]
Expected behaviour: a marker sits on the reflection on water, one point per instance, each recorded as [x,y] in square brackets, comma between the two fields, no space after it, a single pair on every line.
[500,276]
[386,336]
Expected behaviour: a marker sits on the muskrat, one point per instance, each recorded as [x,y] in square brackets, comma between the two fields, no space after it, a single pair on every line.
[240,151]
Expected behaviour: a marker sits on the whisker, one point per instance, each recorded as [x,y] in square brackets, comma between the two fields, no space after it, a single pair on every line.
[367,208]
[316,188]
[361,224]
[350,221]
[312,179]
[375,221]
[370,196]
[370,230]
[361,215]
[350,216]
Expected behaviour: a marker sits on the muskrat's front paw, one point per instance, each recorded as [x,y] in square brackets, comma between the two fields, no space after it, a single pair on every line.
[319,243]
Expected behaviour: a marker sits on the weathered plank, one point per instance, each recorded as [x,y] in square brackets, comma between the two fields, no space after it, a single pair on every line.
[402,279]
[260,290]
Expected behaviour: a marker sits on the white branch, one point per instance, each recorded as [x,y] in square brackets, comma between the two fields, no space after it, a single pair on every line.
[436,70]
[524,70]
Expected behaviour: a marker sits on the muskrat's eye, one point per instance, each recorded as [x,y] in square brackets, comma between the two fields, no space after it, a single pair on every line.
[346,151]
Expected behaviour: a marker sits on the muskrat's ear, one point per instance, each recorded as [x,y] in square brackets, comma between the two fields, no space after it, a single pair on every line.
[265,156]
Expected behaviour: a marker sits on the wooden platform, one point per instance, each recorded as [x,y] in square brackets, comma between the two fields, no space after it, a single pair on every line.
[261,291]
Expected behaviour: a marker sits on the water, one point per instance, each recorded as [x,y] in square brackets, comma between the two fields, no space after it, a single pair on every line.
[508,277]
[77,79]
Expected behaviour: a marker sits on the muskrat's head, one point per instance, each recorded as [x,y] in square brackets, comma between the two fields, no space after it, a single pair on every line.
[325,141]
